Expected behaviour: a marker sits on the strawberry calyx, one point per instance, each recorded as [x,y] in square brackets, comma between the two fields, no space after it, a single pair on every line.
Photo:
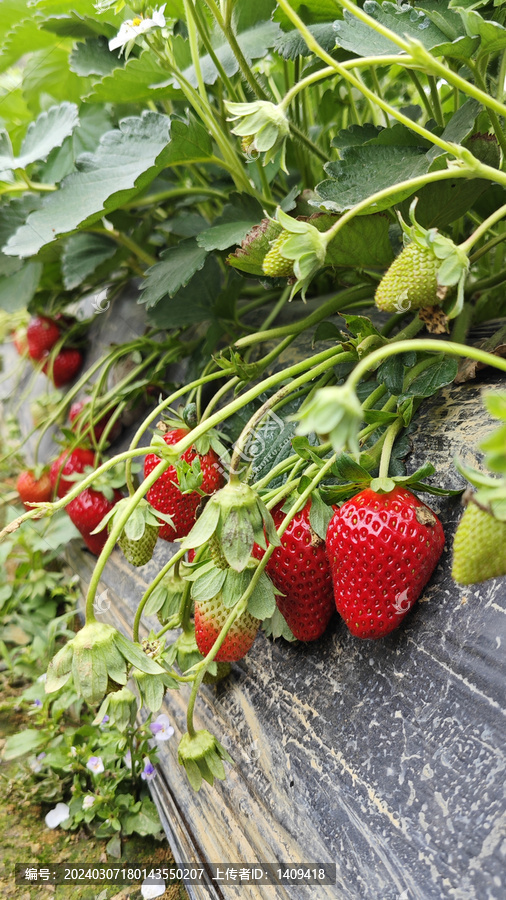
[202,756]
[453,261]
[121,708]
[141,517]
[96,657]
[184,651]
[237,516]
[166,599]
[354,477]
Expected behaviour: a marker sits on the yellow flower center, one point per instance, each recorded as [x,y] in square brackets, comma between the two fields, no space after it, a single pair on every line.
[136,22]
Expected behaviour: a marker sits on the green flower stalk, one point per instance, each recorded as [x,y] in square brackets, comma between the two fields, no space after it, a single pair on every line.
[263,127]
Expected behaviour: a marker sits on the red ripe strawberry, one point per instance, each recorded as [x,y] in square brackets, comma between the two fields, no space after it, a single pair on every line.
[382,549]
[65,366]
[210,617]
[42,334]
[87,511]
[165,495]
[34,490]
[300,569]
[69,463]
[78,422]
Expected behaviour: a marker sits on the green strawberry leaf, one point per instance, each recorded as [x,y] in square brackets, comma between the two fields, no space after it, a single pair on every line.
[82,255]
[48,131]
[291,44]
[176,267]
[431,380]
[126,160]
[365,170]
[360,38]
[302,447]
[236,220]
[347,469]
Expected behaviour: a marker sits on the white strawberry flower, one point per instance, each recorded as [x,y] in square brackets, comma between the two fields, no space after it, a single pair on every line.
[132,28]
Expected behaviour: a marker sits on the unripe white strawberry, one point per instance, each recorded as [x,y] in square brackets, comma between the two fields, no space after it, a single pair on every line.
[275,265]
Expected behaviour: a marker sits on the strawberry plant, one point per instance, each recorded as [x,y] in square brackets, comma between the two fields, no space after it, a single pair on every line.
[227,160]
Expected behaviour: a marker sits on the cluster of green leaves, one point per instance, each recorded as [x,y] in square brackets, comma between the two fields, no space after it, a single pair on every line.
[97,148]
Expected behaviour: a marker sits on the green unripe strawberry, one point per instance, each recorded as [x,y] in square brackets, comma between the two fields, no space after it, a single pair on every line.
[410,282]
[139,552]
[275,265]
[479,547]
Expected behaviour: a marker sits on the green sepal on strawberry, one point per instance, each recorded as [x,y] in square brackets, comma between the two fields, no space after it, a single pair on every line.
[382,549]
[179,490]
[421,275]
[202,756]
[275,265]
[237,516]
[299,568]
[121,708]
[98,656]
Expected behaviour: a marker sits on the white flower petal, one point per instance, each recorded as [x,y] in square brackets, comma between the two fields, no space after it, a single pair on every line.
[57,815]
[151,889]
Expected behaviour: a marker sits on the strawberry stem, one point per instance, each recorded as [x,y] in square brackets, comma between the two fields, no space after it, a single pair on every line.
[173,562]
